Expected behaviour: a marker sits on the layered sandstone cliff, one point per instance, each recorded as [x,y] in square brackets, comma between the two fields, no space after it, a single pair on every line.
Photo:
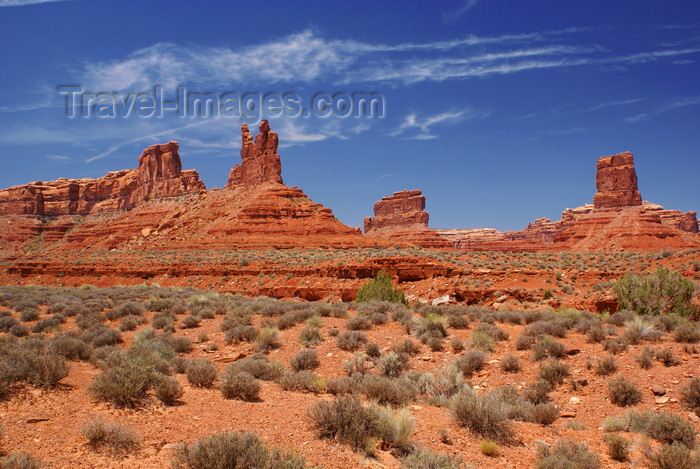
[617,220]
[159,174]
[402,216]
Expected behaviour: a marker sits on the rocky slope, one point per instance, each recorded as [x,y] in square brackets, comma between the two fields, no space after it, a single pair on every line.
[402,217]
[617,220]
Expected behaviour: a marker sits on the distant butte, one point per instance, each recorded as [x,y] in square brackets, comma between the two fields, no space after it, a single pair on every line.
[617,220]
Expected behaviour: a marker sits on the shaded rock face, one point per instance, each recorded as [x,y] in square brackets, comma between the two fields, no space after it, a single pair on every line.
[616,182]
[402,216]
[260,162]
[159,175]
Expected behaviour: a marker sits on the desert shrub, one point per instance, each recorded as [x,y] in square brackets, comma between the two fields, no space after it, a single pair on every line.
[347,420]
[7,322]
[306,359]
[537,392]
[18,330]
[618,447]
[596,334]
[358,323]
[20,461]
[52,322]
[168,389]
[489,448]
[234,450]
[162,321]
[492,330]
[292,318]
[619,318]
[310,336]
[646,358]
[344,385]
[667,357]
[125,385]
[442,384]
[482,341]
[623,393]
[393,364]
[458,321]
[426,459]
[639,329]
[70,347]
[351,340]
[661,292]
[471,362]
[178,344]
[606,366]
[372,350]
[691,394]
[547,347]
[566,453]
[407,346]
[615,345]
[239,385]
[259,366]
[110,436]
[241,333]
[301,381]
[395,428]
[510,364]
[525,342]
[101,335]
[190,321]
[671,428]
[29,314]
[434,343]
[482,415]
[201,373]
[131,322]
[556,327]
[125,309]
[387,390]
[431,326]
[554,372]
[457,344]
[269,339]
[631,421]
[674,456]
[380,289]
[688,333]
[544,414]
[360,363]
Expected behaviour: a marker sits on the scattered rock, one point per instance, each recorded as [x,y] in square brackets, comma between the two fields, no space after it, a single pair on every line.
[172,446]
[661,400]
[37,419]
[574,400]
[567,414]
[658,390]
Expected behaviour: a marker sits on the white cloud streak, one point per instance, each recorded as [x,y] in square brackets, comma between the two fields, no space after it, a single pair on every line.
[21,3]
[414,128]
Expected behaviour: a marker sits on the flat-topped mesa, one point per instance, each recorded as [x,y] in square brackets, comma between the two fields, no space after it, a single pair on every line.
[402,217]
[404,208]
[260,162]
[616,182]
[159,174]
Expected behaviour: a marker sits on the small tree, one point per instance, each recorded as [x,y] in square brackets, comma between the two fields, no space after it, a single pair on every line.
[380,289]
[659,293]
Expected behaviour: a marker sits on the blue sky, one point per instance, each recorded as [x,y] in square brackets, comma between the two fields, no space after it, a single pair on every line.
[496,109]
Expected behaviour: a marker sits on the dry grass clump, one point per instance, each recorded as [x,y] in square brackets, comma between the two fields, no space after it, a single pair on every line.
[351,340]
[554,372]
[618,447]
[606,366]
[303,380]
[426,459]
[566,453]
[239,385]
[623,392]
[201,372]
[510,364]
[471,362]
[482,415]
[306,359]
[20,461]
[259,366]
[691,394]
[111,436]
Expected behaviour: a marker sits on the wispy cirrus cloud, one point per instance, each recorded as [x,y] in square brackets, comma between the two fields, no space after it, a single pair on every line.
[461,9]
[307,57]
[666,106]
[415,128]
[19,3]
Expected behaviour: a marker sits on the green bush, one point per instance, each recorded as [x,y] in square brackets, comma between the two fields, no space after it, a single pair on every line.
[662,292]
[380,289]
[234,450]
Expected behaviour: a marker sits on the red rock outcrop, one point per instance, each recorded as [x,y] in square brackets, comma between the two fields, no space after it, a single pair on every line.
[402,216]
[159,174]
[616,182]
[260,162]
[617,220]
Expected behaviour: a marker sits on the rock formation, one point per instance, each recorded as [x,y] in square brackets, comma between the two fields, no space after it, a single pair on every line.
[159,174]
[402,216]
[260,162]
[616,182]
[617,220]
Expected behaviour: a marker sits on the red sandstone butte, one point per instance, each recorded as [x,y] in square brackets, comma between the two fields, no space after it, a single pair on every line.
[260,162]
[617,220]
[159,174]
[402,216]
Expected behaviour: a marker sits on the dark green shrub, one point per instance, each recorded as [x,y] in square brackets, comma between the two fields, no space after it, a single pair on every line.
[306,359]
[482,415]
[566,454]
[201,372]
[234,450]
[110,436]
[240,385]
[380,289]
[659,293]
[624,393]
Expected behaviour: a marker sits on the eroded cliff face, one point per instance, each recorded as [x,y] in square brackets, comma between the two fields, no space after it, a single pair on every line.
[617,220]
[159,174]
[402,216]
